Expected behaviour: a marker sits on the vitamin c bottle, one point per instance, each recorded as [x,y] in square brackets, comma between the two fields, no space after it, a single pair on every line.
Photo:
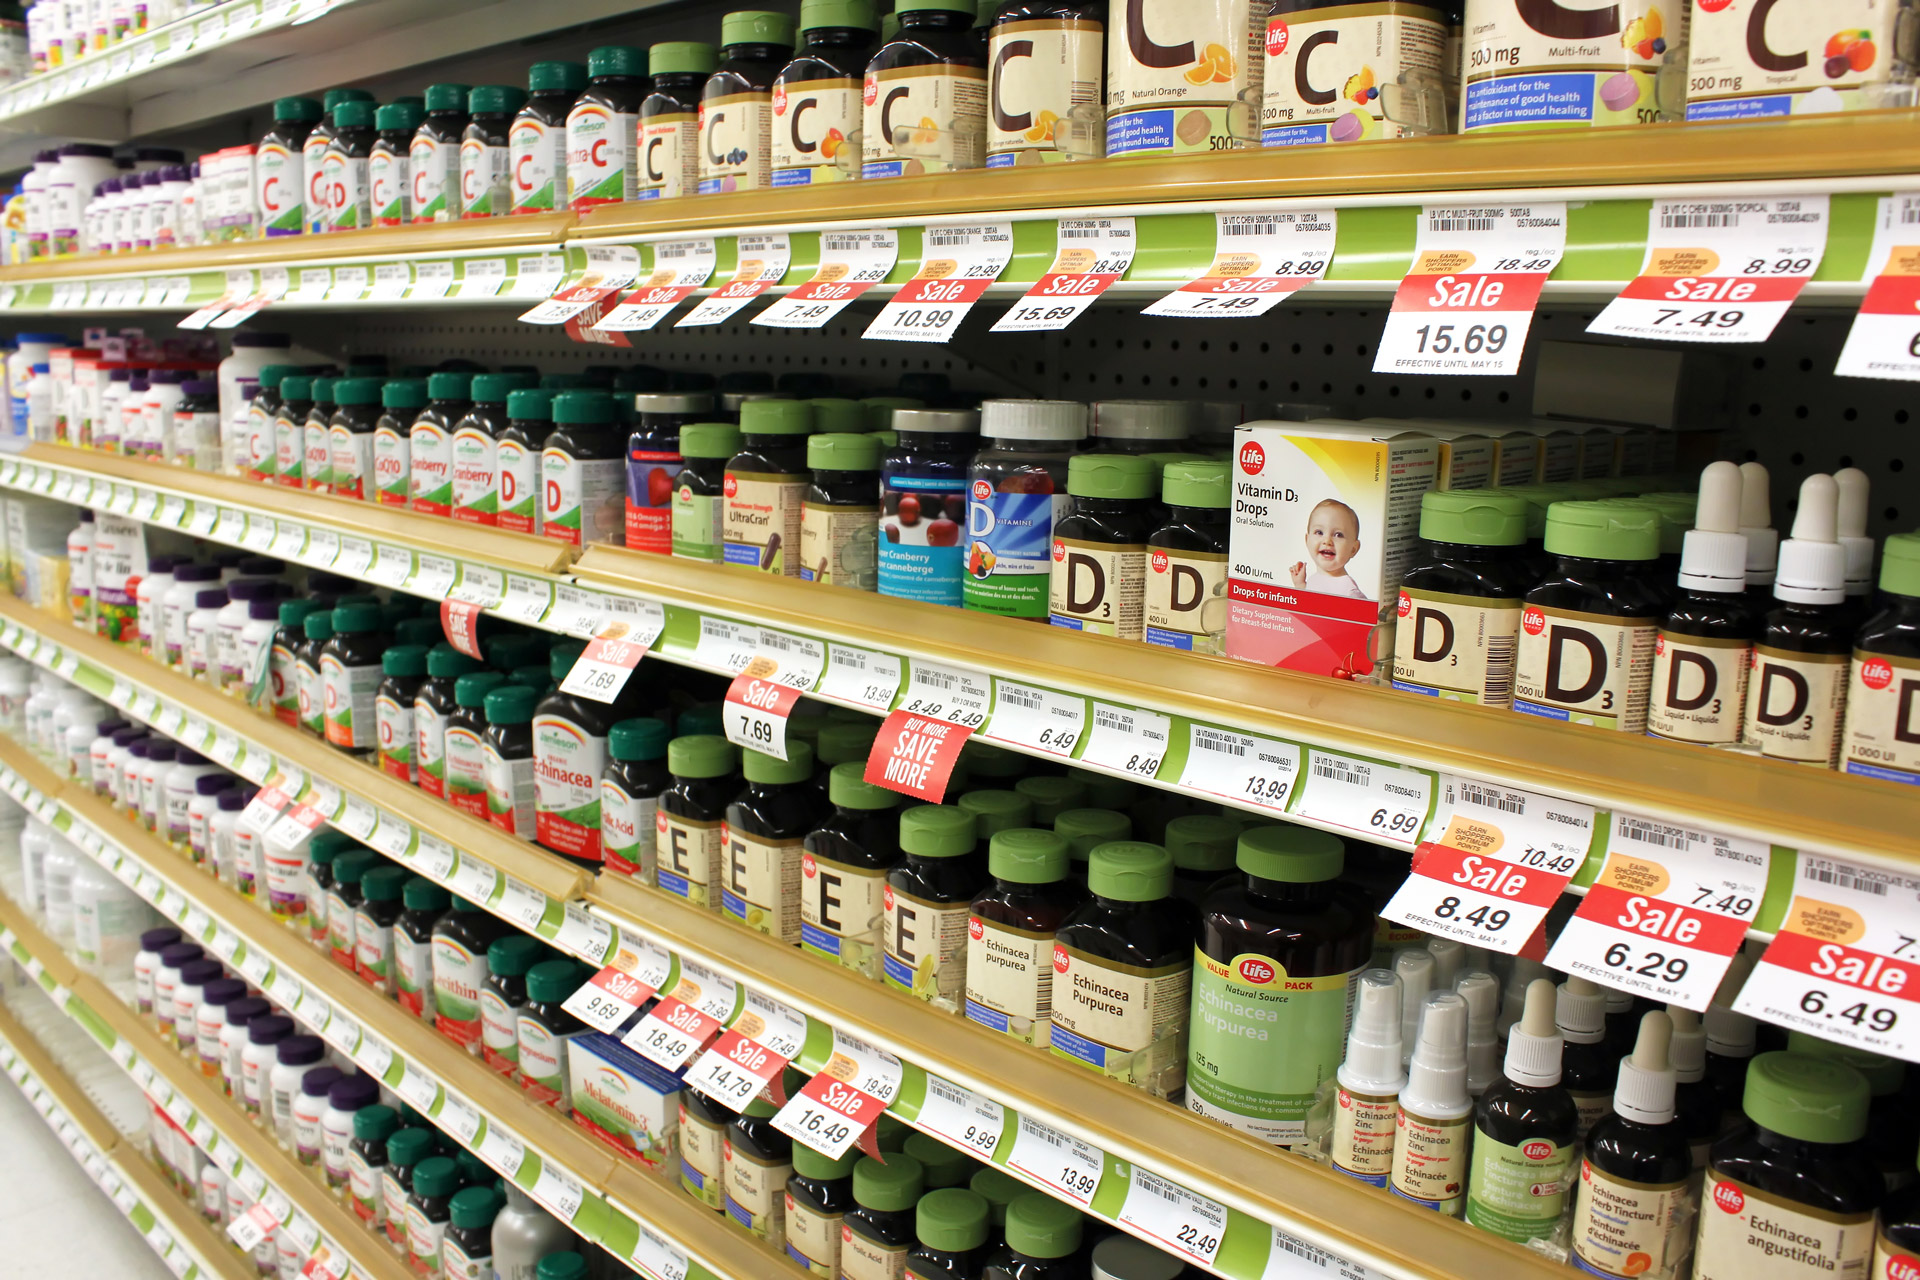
[1044,99]
[433,155]
[669,160]
[816,97]
[736,106]
[601,129]
[486,184]
[930,81]
[537,140]
[839,539]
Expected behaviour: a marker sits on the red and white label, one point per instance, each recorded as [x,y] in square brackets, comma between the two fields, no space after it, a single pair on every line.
[757,709]
[602,668]
[763,262]
[1719,271]
[750,1054]
[1181,1221]
[1093,254]
[251,1227]
[1259,260]
[1500,860]
[461,623]
[1845,964]
[834,1109]
[671,1033]
[915,755]
[851,262]
[1038,719]
[957,264]
[1885,339]
[679,267]
[1666,913]
[608,999]
[1465,305]
[609,269]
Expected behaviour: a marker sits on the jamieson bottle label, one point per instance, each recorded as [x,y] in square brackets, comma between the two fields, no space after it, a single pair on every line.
[1261,1043]
[567,764]
[517,495]
[458,978]
[1517,1192]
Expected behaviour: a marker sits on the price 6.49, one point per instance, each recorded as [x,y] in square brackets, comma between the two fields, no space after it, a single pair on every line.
[1440,339]
[1860,1013]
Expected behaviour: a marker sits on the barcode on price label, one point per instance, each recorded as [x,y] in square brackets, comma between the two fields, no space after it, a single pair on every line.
[1179,1220]
[958,695]
[1056,1161]
[1039,719]
[860,677]
[1381,802]
[1240,767]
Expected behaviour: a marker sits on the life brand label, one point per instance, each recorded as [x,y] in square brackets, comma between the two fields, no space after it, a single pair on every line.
[1750,1234]
[1456,648]
[812,123]
[1882,737]
[736,142]
[1584,668]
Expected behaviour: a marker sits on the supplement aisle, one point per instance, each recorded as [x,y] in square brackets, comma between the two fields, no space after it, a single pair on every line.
[1020,640]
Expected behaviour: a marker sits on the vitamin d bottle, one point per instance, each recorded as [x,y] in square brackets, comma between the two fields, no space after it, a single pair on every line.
[1705,647]
[601,129]
[1010,933]
[1878,741]
[313,156]
[1796,707]
[1587,633]
[433,706]
[1460,598]
[1016,490]
[692,817]
[1285,917]
[816,97]
[766,825]
[1186,591]
[343,171]
[736,106]
[537,140]
[699,499]
[1525,1132]
[930,82]
[843,871]
[766,486]
[433,155]
[669,161]
[405,668]
[1098,581]
[583,471]
[839,541]
[516,462]
[927,903]
[486,183]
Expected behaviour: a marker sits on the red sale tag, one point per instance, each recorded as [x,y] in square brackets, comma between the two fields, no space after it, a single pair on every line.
[763,262]
[1259,259]
[1884,341]
[757,708]
[461,622]
[829,1115]
[915,756]
[851,262]
[671,1033]
[1093,254]
[734,1069]
[608,999]
[610,268]
[679,267]
[1467,302]
[602,668]
[957,266]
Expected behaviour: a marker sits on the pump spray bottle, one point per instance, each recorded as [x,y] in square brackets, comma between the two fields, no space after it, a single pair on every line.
[1525,1128]
[1436,1115]
[1798,702]
[1414,965]
[1851,526]
[1481,991]
[1705,648]
[1367,1103]
[1756,526]
[1591,1071]
[1449,961]
[1632,1209]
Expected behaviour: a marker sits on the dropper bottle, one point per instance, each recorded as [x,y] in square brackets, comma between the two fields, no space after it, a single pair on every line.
[1521,975]
[1694,1100]
[1414,965]
[1731,1042]
[1851,527]
[1436,1115]
[1525,1128]
[1481,991]
[1705,648]
[1798,701]
[1589,1069]
[1756,526]
[1367,1105]
[1633,1201]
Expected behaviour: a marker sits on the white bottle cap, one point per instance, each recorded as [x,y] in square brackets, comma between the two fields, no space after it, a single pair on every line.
[1481,991]
[1644,1091]
[1852,528]
[1521,974]
[1415,967]
[1813,568]
[1449,960]
[1713,556]
[1730,1034]
[1689,1047]
[1618,1001]
[1141,419]
[1534,1043]
[1437,1080]
[1756,522]
[1033,419]
[1373,1062]
[1581,1011]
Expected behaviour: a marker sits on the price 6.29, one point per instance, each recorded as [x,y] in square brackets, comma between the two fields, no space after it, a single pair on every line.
[1441,339]
[1861,1014]
[1652,964]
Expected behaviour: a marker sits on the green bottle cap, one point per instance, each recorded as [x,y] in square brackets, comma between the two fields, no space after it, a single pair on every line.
[1474,517]
[837,415]
[1038,1226]
[582,407]
[447,97]
[952,1219]
[296,386]
[756,26]
[375,1123]
[518,649]
[984,760]
[398,117]
[472,690]
[937,831]
[847,787]
[1811,1099]
[1052,795]
[770,770]
[704,718]
[510,704]
[1900,565]
[403,393]
[889,1187]
[1884,1076]
[444,662]
[1202,842]
[709,440]
[552,981]
[450,384]
[940,1164]
[561,1266]
[385,884]
[682,57]
[877,411]
[512,957]
[406,1148]
[841,451]
[1107,475]
[293,613]
[1130,871]
[1196,484]
[352,619]
[999,1189]
[276,374]
[856,14]
[1028,855]
[1086,829]
[334,97]
[561,658]
[616,60]
[995,811]
[322,390]
[356,391]
[1297,855]
[840,743]
[809,1163]
[474,1208]
[496,99]
[422,894]
[318,626]
[643,738]
[776,418]
[556,77]
[354,115]
[494,388]
[301,109]
[328,844]
[702,755]
[967,7]
[404,660]
[1600,531]
[530,404]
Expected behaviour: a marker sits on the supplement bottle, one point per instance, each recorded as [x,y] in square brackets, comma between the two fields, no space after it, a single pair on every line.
[997,811]
[602,129]
[516,499]
[430,443]
[405,1150]
[1367,1105]
[877,1233]
[838,534]
[1338,74]
[1885,673]
[818,1195]
[466,1251]
[537,140]
[630,790]
[264,1037]
[1587,633]
[343,903]
[545,1030]
[433,706]
[524,1235]
[1084,831]
[389,187]
[311,689]
[703,1136]
[843,872]
[1796,707]
[507,759]
[816,97]
[1042,1235]
[926,905]
[1139,426]
[294,1059]
[1460,599]
[950,1227]
[367,1162]
[691,815]
[765,827]
[343,170]
[380,909]
[1010,933]
[1525,1132]
[233,1041]
[429,1210]
[209,1017]
[669,125]
[569,755]
[486,185]
[412,973]
[350,437]
[433,155]
[736,104]
[290,430]
[1634,1202]
[1202,845]
[313,155]
[309,1106]
[699,499]
[463,941]
[1556,67]
[653,466]
[1098,581]
[1436,1113]
[583,471]
[465,758]
[766,485]
[757,1160]
[405,669]
[147,962]
[350,671]
[1285,915]
[1186,590]
[1588,1064]
[1017,489]
[503,994]
[345,1100]
[1181,78]
[1705,646]
[475,447]
[1795,1174]
[279,169]
[402,400]
[923,501]
[928,83]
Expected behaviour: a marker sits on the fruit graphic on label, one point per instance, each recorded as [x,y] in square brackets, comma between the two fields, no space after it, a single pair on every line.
[1216,66]
[1043,126]
[831,144]
[1848,51]
[1351,126]
[659,488]
[981,560]
[1360,86]
[943,533]
[909,511]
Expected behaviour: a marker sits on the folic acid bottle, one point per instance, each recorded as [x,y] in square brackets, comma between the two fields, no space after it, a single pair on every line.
[1181,75]
[1882,734]
[630,794]
[816,97]
[1044,91]
[1587,633]
[1525,1132]
[1634,1199]
[1460,599]
[736,106]
[1348,73]
[927,88]
[1705,647]
[1797,705]
[669,156]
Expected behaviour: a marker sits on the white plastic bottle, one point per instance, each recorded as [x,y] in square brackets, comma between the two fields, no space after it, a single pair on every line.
[146,962]
[1481,991]
[57,869]
[202,626]
[16,682]
[108,919]
[1436,1114]
[80,572]
[178,789]
[1367,1106]
[147,597]
[524,1233]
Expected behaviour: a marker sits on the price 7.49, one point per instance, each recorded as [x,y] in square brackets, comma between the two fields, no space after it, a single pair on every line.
[1860,1013]
[1711,318]
[1440,340]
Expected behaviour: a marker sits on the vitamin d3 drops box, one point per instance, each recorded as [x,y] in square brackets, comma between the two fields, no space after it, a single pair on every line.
[1325,515]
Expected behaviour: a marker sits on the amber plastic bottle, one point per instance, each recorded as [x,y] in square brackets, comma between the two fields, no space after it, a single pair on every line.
[928,904]
[1011,932]
[766,826]
[843,872]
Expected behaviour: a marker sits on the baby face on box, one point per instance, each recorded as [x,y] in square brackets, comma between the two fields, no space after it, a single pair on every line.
[1332,539]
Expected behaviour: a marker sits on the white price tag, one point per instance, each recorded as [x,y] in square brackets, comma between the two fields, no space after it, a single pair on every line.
[656,1259]
[763,261]
[289,540]
[431,280]
[459,1118]
[313,286]
[539,276]
[958,695]
[1259,260]
[1291,1258]
[583,934]
[756,710]
[1127,740]
[392,836]
[1466,303]
[201,518]
[671,1033]
[1240,767]
[1183,1222]
[1719,270]
[232,527]
[375,1054]
[355,559]
[679,267]
[358,818]
[559,1191]
[527,600]
[418,1088]
[795,661]
[957,264]
[474,880]
[1381,802]
[501,1149]
[605,1001]
[851,262]
[962,1117]
[349,284]
[725,646]
[609,269]
[604,666]
[480,585]
[432,576]
[866,1067]
[1039,719]
[1093,254]
[578,611]
[1884,341]
[523,903]
[1058,1162]
[390,281]
[481,277]
[860,677]
[391,566]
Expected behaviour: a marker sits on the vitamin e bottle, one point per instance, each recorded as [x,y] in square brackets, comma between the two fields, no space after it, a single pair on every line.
[692,817]
[843,870]
[927,902]
[766,825]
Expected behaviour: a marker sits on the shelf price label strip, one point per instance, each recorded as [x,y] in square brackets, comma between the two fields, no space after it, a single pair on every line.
[957,265]
[1884,341]
[851,262]
[1093,254]
[1259,260]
